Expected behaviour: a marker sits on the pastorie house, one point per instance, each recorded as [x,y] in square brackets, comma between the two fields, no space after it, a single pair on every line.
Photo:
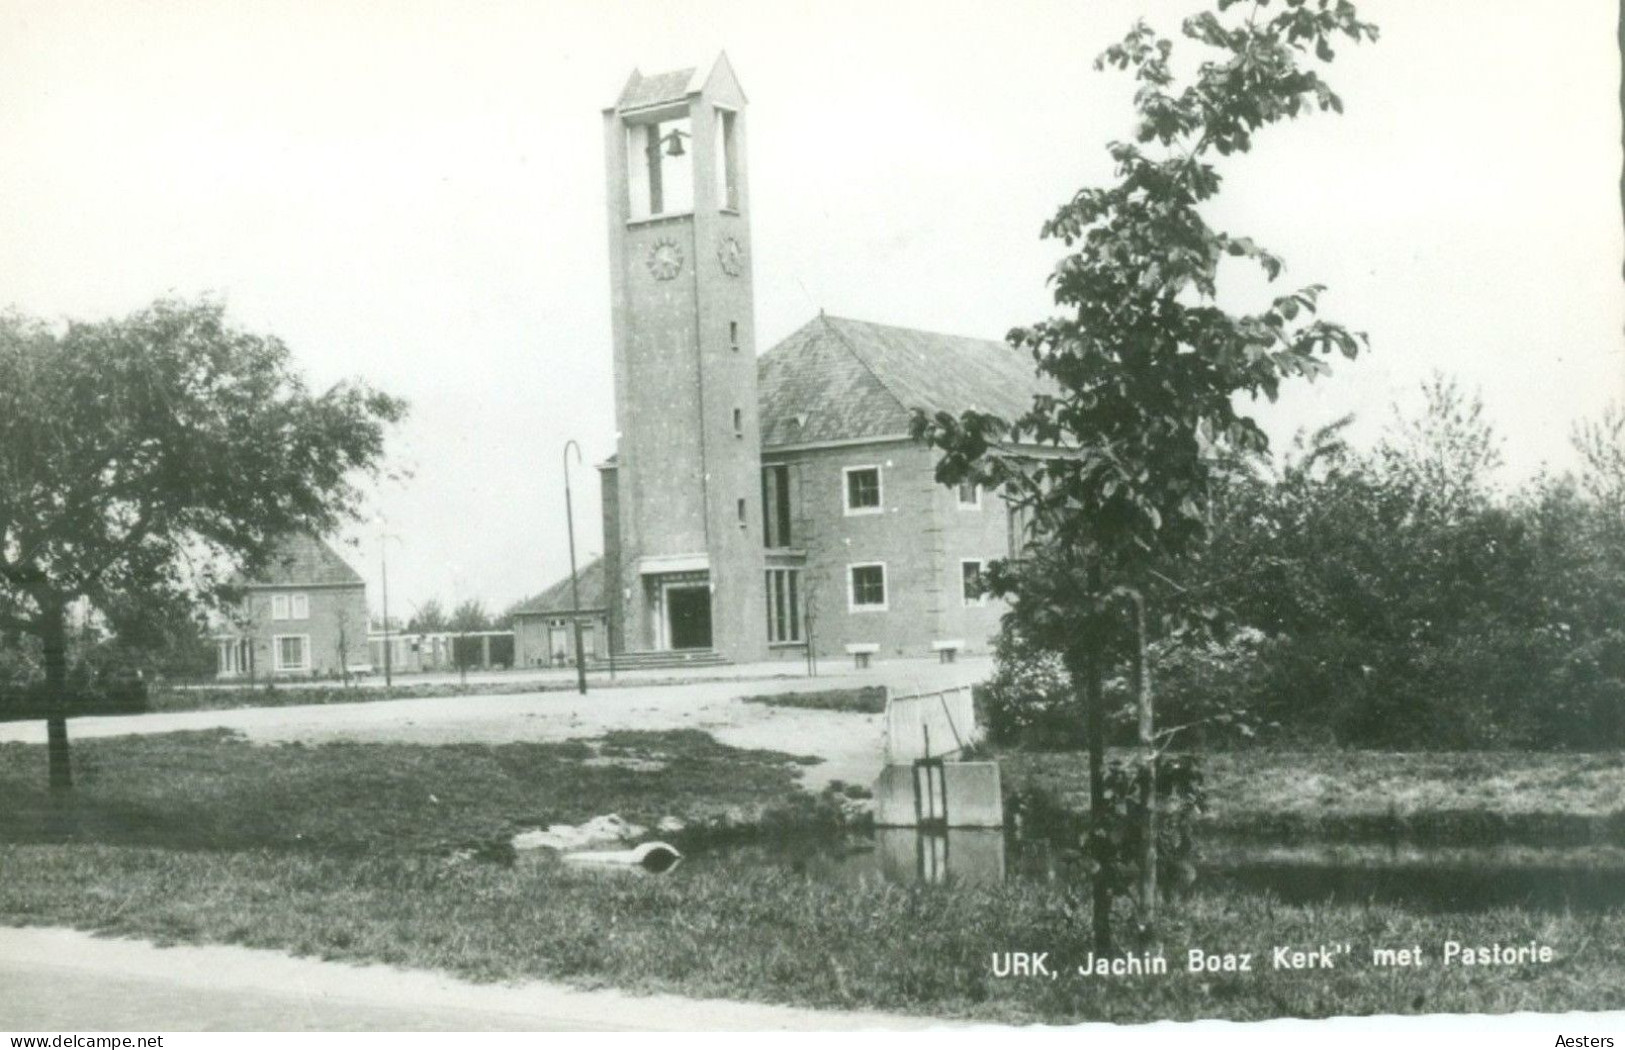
[305,616]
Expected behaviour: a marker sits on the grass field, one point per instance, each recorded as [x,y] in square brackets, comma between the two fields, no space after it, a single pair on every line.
[344,851]
[1458,797]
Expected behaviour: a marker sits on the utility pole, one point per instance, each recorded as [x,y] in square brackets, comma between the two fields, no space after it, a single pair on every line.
[383,565]
[575,592]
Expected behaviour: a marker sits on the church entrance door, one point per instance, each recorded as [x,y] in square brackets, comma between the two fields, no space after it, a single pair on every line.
[688,617]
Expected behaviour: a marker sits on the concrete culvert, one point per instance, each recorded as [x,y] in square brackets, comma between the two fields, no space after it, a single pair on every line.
[656,857]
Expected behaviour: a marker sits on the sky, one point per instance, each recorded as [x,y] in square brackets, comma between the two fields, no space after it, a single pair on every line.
[413,193]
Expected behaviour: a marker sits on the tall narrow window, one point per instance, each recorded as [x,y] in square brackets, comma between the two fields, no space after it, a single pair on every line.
[727,162]
[776,506]
[972,591]
[739,423]
[783,606]
[741,507]
[733,336]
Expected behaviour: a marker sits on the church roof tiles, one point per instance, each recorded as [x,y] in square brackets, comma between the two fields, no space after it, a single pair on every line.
[837,379]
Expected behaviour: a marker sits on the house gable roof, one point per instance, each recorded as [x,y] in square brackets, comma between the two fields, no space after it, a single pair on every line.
[306,561]
[556,600]
[836,379]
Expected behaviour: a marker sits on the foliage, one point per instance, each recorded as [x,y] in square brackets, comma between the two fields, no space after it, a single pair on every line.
[429,618]
[1402,599]
[143,459]
[470,615]
[1116,845]
[132,449]
[1029,699]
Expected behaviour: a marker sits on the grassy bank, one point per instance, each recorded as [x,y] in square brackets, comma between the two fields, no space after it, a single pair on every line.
[1457,797]
[345,851]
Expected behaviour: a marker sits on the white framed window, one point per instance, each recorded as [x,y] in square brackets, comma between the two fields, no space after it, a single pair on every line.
[298,606]
[861,490]
[279,606]
[291,652]
[866,587]
[971,588]
[970,496]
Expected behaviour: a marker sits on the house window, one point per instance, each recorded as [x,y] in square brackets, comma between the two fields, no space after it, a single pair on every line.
[863,490]
[867,588]
[290,606]
[970,496]
[783,606]
[971,588]
[292,652]
[279,606]
[733,336]
[739,423]
[776,506]
[741,506]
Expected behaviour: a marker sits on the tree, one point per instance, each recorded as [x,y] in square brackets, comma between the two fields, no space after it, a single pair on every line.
[430,618]
[1114,465]
[470,615]
[142,457]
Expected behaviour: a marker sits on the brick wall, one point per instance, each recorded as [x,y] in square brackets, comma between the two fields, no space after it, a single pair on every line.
[335,620]
[920,534]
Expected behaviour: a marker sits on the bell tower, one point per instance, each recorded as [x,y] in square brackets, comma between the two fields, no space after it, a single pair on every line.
[683,519]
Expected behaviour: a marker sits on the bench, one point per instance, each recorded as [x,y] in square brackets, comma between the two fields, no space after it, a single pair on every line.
[861,652]
[947,649]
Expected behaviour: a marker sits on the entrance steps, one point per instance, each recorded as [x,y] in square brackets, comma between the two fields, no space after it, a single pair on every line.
[661,659]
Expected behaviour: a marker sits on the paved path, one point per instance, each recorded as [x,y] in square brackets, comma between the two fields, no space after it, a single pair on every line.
[54,980]
[849,744]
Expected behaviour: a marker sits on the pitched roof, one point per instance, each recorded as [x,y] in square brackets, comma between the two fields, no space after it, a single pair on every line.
[837,379]
[656,89]
[306,561]
[556,599]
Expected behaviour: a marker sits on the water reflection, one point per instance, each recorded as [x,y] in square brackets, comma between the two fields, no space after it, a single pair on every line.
[1442,880]
[966,855]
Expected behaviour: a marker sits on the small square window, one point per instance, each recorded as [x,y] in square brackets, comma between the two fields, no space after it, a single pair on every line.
[868,587]
[863,490]
[972,589]
[970,495]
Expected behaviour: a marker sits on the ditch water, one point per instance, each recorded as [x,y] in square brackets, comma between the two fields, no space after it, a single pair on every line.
[1435,879]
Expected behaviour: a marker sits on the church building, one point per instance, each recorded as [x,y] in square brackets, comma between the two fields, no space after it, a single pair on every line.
[758,505]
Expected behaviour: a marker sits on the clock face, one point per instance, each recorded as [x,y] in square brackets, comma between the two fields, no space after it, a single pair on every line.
[731,256]
[665,259]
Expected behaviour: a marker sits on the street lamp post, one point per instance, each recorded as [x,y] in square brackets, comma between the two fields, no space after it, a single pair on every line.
[384,536]
[575,592]
[383,565]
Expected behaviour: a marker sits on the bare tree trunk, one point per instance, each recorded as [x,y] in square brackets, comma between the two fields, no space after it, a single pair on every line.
[1094,659]
[1148,759]
[55,636]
